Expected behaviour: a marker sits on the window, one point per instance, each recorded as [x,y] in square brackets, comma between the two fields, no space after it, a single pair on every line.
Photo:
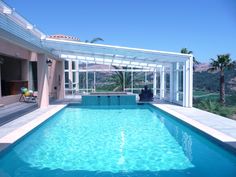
[66,65]
[73,65]
[67,77]
[74,77]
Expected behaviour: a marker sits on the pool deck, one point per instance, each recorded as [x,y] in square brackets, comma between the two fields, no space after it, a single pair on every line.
[14,130]
[217,127]
[15,110]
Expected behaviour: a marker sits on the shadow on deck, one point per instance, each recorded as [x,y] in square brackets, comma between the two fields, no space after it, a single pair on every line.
[13,111]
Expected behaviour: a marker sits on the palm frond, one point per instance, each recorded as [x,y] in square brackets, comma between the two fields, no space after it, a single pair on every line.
[96,40]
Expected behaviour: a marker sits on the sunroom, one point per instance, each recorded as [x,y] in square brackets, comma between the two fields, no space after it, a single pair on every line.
[98,68]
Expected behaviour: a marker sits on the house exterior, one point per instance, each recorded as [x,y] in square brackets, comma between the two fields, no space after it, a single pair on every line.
[29,58]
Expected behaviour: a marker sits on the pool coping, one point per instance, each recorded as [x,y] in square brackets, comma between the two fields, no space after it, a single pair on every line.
[12,137]
[225,140]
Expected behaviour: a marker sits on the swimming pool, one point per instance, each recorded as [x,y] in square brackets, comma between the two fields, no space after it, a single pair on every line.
[115,141]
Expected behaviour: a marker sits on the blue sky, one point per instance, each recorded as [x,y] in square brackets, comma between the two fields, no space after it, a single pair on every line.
[207,27]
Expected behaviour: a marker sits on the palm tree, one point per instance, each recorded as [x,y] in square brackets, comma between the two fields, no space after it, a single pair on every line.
[186,51]
[222,63]
[119,79]
[94,40]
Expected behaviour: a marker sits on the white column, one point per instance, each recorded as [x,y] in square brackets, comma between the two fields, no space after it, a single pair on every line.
[162,82]
[145,78]
[155,82]
[132,81]
[70,73]
[123,80]
[185,88]
[171,82]
[94,81]
[43,88]
[77,75]
[176,80]
[188,83]
[86,79]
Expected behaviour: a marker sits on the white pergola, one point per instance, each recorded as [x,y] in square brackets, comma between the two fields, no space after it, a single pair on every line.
[134,60]
[14,27]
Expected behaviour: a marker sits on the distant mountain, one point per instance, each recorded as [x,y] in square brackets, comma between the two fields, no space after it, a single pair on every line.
[202,67]
[204,80]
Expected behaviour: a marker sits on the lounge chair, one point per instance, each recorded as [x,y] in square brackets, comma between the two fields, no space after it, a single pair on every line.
[27,95]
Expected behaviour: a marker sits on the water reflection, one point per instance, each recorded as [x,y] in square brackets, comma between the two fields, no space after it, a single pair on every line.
[121,160]
[182,137]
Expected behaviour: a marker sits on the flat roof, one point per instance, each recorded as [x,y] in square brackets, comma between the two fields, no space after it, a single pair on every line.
[112,55]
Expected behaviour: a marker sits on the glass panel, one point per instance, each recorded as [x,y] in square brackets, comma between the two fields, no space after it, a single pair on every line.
[167,84]
[82,65]
[181,96]
[180,79]
[74,77]
[149,82]
[82,80]
[66,65]
[180,66]
[73,65]
[91,81]
[139,81]
[109,81]
[158,85]
[66,77]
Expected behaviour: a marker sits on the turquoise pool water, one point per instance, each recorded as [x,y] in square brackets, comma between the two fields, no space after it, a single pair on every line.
[115,141]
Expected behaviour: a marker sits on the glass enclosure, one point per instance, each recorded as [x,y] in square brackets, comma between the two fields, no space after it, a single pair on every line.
[82,77]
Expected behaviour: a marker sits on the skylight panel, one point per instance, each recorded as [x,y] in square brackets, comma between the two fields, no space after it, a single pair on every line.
[117,61]
[71,56]
[63,56]
[143,64]
[126,62]
[115,64]
[108,60]
[99,60]
[90,58]
[152,65]
[135,63]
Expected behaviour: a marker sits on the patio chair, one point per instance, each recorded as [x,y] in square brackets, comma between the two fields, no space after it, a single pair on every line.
[27,95]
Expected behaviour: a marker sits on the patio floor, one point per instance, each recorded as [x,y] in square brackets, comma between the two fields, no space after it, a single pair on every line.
[218,127]
[15,110]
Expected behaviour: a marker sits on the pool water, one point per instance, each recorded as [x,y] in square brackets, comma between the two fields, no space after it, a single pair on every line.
[116,141]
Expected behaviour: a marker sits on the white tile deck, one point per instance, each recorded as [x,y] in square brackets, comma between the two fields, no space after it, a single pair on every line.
[218,127]
[12,131]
